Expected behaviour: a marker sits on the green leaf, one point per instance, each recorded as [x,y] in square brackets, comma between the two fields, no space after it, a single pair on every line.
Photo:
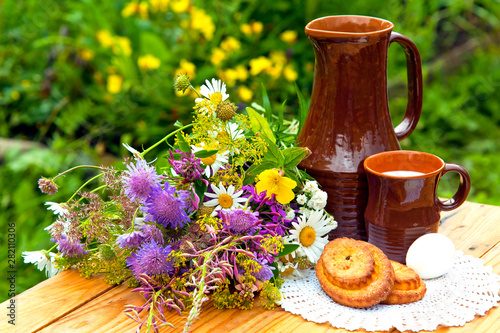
[205,153]
[260,124]
[183,145]
[152,44]
[178,124]
[273,153]
[267,104]
[200,188]
[255,170]
[280,117]
[292,174]
[276,271]
[287,249]
[294,155]
[303,106]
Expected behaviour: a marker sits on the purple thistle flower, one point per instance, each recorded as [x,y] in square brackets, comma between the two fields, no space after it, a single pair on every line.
[139,180]
[164,208]
[132,239]
[188,167]
[152,233]
[240,221]
[265,273]
[70,247]
[151,259]
[47,186]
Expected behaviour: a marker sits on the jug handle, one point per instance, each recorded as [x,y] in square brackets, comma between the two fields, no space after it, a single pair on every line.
[415,85]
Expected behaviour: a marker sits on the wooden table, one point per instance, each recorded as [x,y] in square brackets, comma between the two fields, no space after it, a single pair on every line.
[70,303]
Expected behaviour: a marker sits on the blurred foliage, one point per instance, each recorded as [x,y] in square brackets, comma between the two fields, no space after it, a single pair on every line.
[81,77]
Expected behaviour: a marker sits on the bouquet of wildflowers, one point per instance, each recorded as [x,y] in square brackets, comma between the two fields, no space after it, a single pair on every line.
[223,212]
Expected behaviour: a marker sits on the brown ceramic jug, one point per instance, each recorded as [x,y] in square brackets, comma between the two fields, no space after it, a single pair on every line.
[348,118]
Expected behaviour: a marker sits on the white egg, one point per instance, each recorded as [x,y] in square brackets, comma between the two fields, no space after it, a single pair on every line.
[431,255]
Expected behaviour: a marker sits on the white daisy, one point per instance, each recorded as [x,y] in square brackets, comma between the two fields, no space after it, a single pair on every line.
[57,208]
[309,232]
[223,199]
[288,269]
[134,152]
[290,214]
[234,131]
[213,163]
[42,261]
[215,92]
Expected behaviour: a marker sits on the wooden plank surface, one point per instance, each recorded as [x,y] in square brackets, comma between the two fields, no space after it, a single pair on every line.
[52,299]
[92,306]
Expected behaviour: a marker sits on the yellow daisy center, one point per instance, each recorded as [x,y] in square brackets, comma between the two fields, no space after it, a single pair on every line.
[287,271]
[209,160]
[215,98]
[225,200]
[307,236]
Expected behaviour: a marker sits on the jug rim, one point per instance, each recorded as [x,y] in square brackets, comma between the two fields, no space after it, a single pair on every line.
[312,31]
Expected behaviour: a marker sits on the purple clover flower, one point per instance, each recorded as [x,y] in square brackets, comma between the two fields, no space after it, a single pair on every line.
[151,259]
[241,221]
[70,247]
[188,167]
[265,273]
[47,186]
[139,180]
[152,233]
[132,239]
[164,208]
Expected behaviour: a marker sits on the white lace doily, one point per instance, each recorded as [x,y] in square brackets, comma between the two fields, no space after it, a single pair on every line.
[469,288]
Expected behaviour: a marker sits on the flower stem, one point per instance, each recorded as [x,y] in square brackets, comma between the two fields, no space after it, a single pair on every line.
[84,184]
[165,138]
[77,167]
[196,91]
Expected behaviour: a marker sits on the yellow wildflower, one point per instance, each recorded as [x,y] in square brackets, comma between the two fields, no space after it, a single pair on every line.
[257,27]
[143,10]
[148,62]
[130,9]
[275,70]
[273,182]
[218,56]
[122,45]
[187,68]
[86,54]
[159,5]
[230,44]
[289,36]
[242,72]
[15,95]
[278,57]
[289,73]
[202,22]
[180,6]
[244,93]
[25,83]
[114,84]
[246,29]
[105,38]
[257,65]
[254,28]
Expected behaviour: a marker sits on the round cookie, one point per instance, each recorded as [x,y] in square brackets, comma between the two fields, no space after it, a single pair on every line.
[408,286]
[354,273]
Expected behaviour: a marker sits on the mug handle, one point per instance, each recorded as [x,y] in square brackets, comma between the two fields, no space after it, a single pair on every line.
[415,86]
[463,189]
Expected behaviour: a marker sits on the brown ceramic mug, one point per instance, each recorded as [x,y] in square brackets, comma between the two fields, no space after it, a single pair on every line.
[402,200]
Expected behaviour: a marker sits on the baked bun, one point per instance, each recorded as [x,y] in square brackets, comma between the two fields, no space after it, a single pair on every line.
[408,286]
[354,273]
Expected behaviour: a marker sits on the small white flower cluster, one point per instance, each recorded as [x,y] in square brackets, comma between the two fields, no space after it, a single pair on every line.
[43,260]
[313,197]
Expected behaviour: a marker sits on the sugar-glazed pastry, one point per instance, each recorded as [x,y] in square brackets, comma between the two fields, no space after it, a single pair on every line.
[354,273]
[408,286]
